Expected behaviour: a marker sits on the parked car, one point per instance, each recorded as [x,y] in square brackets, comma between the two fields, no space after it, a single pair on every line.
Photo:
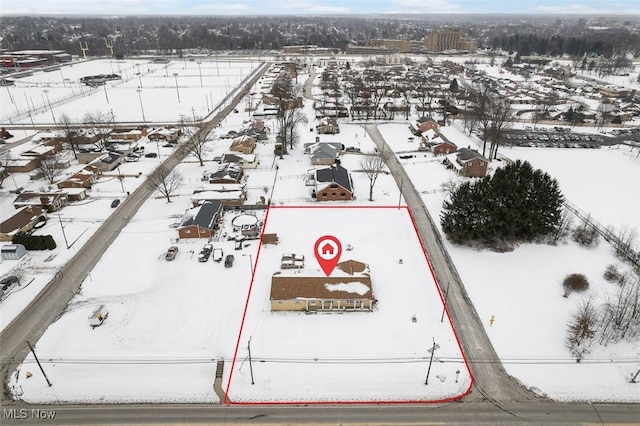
[150,155]
[218,254]
[131,158]
[7,282]
[205,253]
[168,145]
[115,203]
[171,253]
[228,261]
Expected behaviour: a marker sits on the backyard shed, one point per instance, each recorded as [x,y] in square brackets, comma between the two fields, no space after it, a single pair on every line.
[13,251]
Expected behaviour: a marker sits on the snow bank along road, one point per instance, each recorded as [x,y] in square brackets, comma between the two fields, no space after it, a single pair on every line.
[49,304]
[491,381]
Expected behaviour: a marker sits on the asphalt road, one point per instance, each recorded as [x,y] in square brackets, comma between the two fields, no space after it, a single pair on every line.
[491,381]
[49,304]
[477,414]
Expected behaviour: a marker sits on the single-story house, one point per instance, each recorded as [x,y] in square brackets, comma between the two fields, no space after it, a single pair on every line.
[108,161]
[224,173]
[333,183]
[438,144]
[322,153]
[50,201]
[348,288]
[164,134]
[247,161]
[128,134]
[76,194]
[84,178]
[328,126]
[467,162]
[423,124]
[232,194]
[244,144]
[22,165]
[201,221]
[41,151]
[22,220]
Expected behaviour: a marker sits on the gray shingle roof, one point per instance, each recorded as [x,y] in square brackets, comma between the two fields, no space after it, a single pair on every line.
[203,216]
[337,174]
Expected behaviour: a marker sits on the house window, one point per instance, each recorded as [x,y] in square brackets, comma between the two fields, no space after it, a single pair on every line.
[297,302]
[343,195]
[333,194]
[324,194]
[279,302]
[333,186]
[481,163]
[312,302]
[187,231]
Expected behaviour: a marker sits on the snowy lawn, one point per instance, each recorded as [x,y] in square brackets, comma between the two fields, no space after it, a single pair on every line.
[352,356]
[523,290]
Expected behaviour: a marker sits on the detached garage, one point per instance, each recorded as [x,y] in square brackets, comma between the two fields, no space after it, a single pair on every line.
[12,251]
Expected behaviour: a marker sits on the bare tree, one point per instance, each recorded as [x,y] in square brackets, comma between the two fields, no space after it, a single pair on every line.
[5,156]
[622,313]
[372,166]
[582,329]
[564,225]
[196,139]
[50,168]
[288,101]
[67,127]
[166,181]
[102,125]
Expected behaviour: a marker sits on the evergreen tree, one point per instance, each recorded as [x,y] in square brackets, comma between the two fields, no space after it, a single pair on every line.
[518,203]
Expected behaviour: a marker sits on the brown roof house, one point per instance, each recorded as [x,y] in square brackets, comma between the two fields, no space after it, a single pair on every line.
[23,220]
[164,134]
[49,201]
[333,183]
[243,144]
[467,162]
[84,178]
[201,221]
[437,143]
[423,124]
[348,288]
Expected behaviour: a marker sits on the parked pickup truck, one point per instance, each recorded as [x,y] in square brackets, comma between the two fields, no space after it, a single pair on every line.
[205,253]
[218,254]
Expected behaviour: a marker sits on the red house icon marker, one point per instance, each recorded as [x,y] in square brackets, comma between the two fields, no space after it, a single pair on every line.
[327,249]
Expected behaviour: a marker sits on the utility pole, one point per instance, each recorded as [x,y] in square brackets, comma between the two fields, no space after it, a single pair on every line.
[63,234]
[432,350]
[250,363]
[39,365]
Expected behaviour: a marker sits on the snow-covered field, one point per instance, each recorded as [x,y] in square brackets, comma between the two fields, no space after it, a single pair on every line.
[354,356]
[522,289]
[167,90]
[170,322]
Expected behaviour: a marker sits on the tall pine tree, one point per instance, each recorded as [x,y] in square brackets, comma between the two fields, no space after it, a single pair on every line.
[518,203]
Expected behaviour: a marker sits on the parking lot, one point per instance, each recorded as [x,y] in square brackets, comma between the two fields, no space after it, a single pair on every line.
[559,137]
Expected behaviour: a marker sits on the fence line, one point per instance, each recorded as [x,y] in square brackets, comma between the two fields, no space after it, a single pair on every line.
[622,248]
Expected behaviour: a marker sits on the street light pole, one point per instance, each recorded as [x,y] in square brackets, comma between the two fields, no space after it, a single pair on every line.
[46,92]
[200,71]
[105,93]
[139,90]
[432,350]
[175,74]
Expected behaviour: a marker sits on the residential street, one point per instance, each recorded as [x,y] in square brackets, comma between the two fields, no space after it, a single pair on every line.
[491,380]
[54,297]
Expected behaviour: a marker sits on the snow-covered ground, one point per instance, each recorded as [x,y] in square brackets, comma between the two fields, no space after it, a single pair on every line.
[354,356]
[167,91]
[522,289]
[170,322]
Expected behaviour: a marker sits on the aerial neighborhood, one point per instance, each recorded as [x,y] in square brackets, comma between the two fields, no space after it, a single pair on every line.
[407,219]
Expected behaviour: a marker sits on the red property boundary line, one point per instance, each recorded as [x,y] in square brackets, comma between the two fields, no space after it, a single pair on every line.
[227,401]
